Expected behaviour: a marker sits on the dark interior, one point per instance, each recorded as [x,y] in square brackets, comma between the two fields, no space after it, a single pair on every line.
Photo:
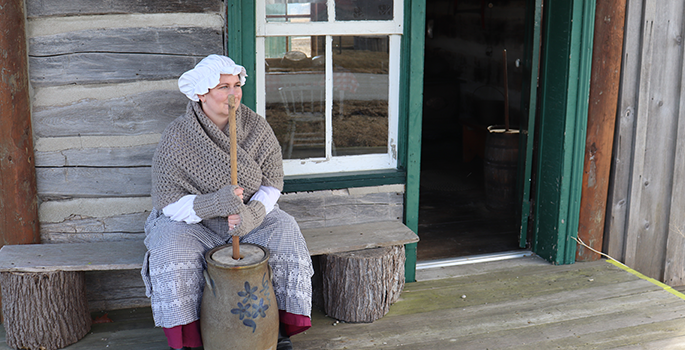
[464,95]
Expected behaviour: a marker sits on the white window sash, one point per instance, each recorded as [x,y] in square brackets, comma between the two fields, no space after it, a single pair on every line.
[330,164]
[335,29]
[339,164]
[330,27]
[329,97]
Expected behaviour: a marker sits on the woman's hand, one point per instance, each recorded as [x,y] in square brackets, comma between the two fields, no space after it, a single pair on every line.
[233,221]
[239,193]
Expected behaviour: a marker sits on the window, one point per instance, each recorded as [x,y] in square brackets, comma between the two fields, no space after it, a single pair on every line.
[328,82]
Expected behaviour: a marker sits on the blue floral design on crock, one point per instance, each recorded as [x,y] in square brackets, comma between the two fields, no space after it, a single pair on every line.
[266,283]
[243,310]
[248,293]
[260,310]
[249,312]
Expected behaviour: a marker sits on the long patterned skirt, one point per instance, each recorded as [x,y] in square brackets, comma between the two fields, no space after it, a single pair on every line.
[173,265]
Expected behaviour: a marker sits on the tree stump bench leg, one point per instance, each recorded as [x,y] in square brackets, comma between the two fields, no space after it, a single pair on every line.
[44,310]
[360,286]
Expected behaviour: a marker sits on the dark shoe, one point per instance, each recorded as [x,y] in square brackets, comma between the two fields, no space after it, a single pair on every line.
[284,343]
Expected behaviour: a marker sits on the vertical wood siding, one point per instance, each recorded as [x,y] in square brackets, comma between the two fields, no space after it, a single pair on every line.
[646,211]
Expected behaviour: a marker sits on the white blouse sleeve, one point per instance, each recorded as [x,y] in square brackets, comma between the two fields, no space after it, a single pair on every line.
[182,210]
[268,196]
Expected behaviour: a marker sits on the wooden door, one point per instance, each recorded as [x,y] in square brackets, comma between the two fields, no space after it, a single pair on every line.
[566,56]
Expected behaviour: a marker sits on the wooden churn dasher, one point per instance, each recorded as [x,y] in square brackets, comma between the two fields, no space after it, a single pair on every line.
[238,309]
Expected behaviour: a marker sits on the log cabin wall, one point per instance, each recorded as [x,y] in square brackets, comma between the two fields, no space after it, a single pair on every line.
[104,78]
[345,206]
[104,86]
[646,204]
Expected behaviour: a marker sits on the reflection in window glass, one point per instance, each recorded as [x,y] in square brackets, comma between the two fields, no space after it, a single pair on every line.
[279,46]
[364,10]
[360,85]
[295,95]
[296,11]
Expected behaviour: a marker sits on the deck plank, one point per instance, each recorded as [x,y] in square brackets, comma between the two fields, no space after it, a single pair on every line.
[500,325]
[566,307]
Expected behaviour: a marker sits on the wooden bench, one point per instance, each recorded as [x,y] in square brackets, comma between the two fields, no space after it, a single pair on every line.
[43,285]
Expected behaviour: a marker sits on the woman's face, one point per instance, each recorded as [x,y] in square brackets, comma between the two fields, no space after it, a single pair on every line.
[215,102]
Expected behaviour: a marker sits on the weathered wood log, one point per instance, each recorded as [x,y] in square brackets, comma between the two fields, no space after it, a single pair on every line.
[124,223]
[139,114]
[44,310]
[59,183]
[44,8]
[188,41]
[360,286]
[113,290]
[324,208]
[99,68]
[98,157]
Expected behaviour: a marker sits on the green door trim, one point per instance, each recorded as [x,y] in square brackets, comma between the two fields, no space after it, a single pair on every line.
[241,41]
[411,117]
[532,66]
[565,86]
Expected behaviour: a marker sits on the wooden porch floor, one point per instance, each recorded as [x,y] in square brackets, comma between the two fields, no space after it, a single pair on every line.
[523,303]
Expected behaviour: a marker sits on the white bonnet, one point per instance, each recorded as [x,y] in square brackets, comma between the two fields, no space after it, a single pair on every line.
[206,75]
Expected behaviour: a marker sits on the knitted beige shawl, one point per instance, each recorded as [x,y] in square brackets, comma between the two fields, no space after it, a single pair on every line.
[193,158]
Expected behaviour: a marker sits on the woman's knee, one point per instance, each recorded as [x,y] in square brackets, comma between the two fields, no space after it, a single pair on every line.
[282,220]
[177,244]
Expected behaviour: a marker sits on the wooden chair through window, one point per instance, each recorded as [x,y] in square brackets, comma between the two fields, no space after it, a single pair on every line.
[306,110]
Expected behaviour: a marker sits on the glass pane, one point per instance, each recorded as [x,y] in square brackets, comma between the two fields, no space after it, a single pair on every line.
[293,48]
[296,11]
[360,86]
[363,10]
[295,95]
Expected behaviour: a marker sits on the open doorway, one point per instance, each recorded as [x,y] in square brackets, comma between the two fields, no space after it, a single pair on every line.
[464,94]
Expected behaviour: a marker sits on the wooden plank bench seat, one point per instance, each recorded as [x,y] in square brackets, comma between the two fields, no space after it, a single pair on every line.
[65,264]
[128,255]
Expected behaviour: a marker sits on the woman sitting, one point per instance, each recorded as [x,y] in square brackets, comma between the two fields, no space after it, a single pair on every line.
[196,209]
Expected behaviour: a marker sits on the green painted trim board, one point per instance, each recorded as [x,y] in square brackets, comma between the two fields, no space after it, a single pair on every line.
[565,78]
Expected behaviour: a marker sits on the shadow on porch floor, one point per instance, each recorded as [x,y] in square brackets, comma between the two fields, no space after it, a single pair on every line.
[523,303]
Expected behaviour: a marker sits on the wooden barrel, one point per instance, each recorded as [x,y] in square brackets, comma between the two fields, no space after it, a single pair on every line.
[239,309]
[500,168]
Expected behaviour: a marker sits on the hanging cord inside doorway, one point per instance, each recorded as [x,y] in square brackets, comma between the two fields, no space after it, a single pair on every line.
[637,274]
